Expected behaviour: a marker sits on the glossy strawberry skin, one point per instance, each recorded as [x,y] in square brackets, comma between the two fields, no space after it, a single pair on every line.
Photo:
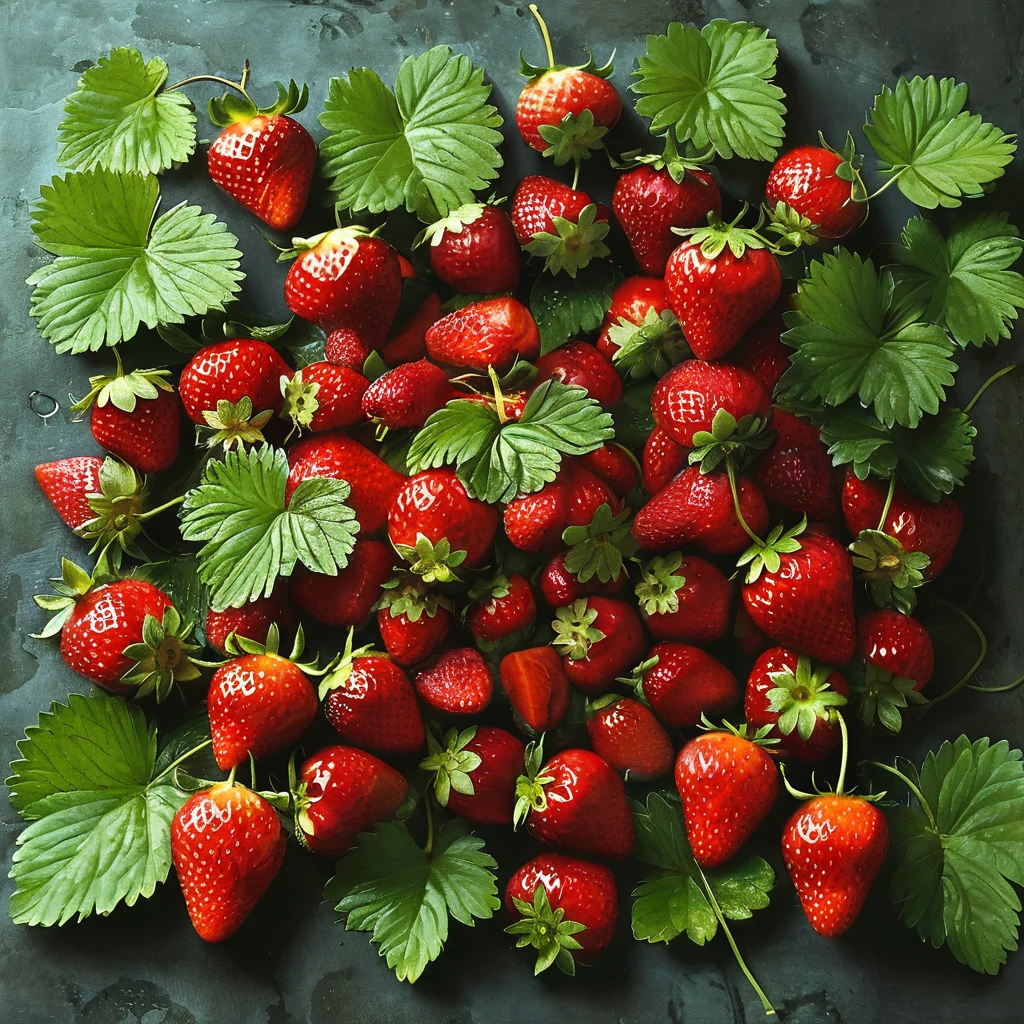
[833,847]
[482,258]
[410,641]
[551,95]
[632,299]
[539,199]
[663,460]
[585,892]
[761,351]
[697,508]
[727,785]
[580,363]
[649,204]
[407,341]
[705,603]
[252,620]
[805,178]
[458,682]
[339,397]
[345,348]
[718,300]
[535,683]
[615,465]
[348,598]
[494,779]
[345,791]
[898,643]
[796,471]
[146,438]
[491,332]
[227,846]
[66,483]
[808,604]
[559,587]
[494,619]
[687,683]
[407,395]
[688,396]
[230,370]
[266,163]
[628,736]
[621,648]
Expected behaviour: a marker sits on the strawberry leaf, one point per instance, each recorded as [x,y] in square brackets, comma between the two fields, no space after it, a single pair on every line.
[119,120]
[100,817]
[429,145]
[853,334]
[565,307]
[937,151]
[963,280]
[714,86]
[404,895]
[252,537]
[117,268]
[960,852]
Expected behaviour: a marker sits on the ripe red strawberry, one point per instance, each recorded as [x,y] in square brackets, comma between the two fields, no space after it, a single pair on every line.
[897,644]
[501,606]
[474,249]
[632,300]
[575,801]
[761,350]
[492,332]
[807,602]
[407,339]
[833,847]
[580,363]
[663,461]
[252,620]
[229,370]
[795,699]
[535,683]
[369,701]
[728,785]
[348,598]
[458,682]
[340,792]
[614,464]
[345,278]
[345,348]
[717,295]
[263,158]
[697,508]
[475,773]
[407,395]
[413,621]
[627,735]
[796,471]
[227,845]
[340,457]
[66,484]
[682,597]
[560,587]
[918,525]
[566,908]
[683,684]
[688,396]
[322,396]
[599,638]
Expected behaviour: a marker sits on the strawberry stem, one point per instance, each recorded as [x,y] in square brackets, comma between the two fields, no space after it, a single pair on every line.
[547,37]
[428,846]
[891,181]
[841,781]
[576,175]
[231,775]
[982,652]
[892,770]
[984,387]
[998,689]
[888,504]
[239,86]
[184,757]
[730,470]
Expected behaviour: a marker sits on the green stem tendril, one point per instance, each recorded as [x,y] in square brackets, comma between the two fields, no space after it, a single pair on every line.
[427,804]
[984,387]
[982,652]
[890,182]
[237,86]
[841,782]
[576,176]
[184,757]
[231,775]
[888,503]
[892,770]
[998,689]
[547,37]
[730,470]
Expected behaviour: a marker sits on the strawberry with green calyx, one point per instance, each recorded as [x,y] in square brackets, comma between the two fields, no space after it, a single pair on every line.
[580,363]
[634,297]
[649,348]
[230,371]
[488,333]
[683,597]
[740,441]
[597,550]
[457,682]
[682,683]
[598,638]
[627,735]
[560,587]
[252,621]
[234,424]
[500,607]
[891,573]
[322,396]
[347,598]
[162,656]
[791,229]
[536,685]
[413,621]
[663,460]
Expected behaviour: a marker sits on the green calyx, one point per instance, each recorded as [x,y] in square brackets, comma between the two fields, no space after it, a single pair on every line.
[547,931]
[598,548]
[574,138]
[71,586]
[451,763]
[123,390]
[229,108]
[649,348]
[891,572]
[575,631]
[407,595]
[792,228]
[849,169]
[236,646]
[530,795]
[659,583]
[162,657]
[452,224]
[434,562]
[635,680]
[802,697]
[496,586]
[336,674]
[741,441]
[761,735]
[534,71]
[233,423]
[573,244]
[678,165]
[718,234]
[348,235]
[765,554]
[300,401]
[883,695]
[119,509]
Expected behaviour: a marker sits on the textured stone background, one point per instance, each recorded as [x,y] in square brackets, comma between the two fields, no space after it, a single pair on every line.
[291,963]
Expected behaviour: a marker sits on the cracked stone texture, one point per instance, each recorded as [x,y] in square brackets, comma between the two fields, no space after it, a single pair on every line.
[291,964]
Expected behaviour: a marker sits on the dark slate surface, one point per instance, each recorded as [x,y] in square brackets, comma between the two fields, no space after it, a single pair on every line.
[291,963]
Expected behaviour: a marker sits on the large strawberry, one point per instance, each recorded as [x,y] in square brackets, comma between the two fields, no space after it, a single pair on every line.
[228,371]
[684,684]
[474,249]
[407,395]
[582,364]
[628,736]
[535,683]
[322,396]
[347,599]
[227,845]
[663,460]
[252,621]
[633,300]
[683,597]
[412,620]
[457,682]
[501,607]
[345,278]
[598,638]
[796,471]
[492,332]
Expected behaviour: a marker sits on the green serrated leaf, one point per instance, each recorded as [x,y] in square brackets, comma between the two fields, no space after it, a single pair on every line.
[564,307]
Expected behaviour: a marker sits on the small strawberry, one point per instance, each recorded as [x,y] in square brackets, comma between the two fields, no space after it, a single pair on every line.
[502,606]
[492,332]
[345,278]
[683,597]
[67,484]
[796,471]
[561,587]
[576,801]
[340,792]
[407,395]
[578,362]
[407,339]
[627,735]
[683,684]
[598,638]
[458,682]
[728,784]
[227,846]
[761,350]
[663,460]
[348,598]
[474,249]
[535,683]
[615,465]
[413,621]
[322,396]
[228,371]
[898,662]
[475,773]
[263,158]
[633,299]
[345,348]
[252,621]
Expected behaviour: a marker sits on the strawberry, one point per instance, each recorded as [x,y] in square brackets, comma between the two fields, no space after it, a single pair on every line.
[761,350]
[67,484]
[575,801]
[227,846]
[535,683]
[598,638]
[407,339]
[683,684]
[697,508]
[918,525]
[436,525]
[474,249]
[633,299]
[252,621]
[340,792]
[456,683]
[475,773]
[345,278]
[407,395]
[614,464]
[896,646]
[263,158]
[795,699]
[796,471]
[682,597]
[340,457]
[345,348]
[720,282]
[728,784]
[560,587]
[663,460]
[566,908]
[348,598]
[228,371]
[579,363]
[412,620]
[627,735]
[501,607]
[369,701]
[322,396]
[492,332]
